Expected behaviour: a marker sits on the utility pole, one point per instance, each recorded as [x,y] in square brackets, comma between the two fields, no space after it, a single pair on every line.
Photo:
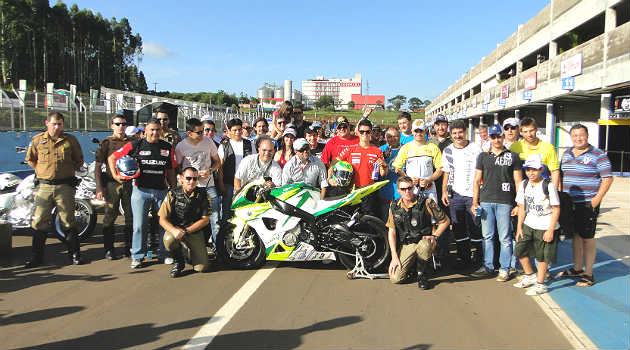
[155,87]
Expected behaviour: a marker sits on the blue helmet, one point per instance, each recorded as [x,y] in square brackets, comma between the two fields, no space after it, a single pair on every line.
[128,167]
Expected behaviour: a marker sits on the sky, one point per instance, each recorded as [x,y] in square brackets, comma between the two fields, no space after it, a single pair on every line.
[412,48]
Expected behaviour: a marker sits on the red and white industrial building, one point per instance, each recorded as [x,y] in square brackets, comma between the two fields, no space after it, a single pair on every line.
[342,91]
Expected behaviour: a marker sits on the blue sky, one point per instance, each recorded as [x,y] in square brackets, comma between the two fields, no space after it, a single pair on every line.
[413,48]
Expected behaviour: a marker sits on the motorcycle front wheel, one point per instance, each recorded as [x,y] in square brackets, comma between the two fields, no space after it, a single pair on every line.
[375,247]
[84,218]
[248,258]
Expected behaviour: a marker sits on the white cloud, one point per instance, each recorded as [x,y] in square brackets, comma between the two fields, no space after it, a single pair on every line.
[156,50]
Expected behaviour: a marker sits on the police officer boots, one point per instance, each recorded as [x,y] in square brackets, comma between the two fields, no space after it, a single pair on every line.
[178,263]
[72,240]
[108,242]
[37,256]
[423,281]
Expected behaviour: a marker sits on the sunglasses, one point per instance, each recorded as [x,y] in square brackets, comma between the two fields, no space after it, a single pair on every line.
[191,178]
[495,136]
[200,132]
[302,150]
[119,124]
[418,130]
[405,188]
[508,127]
[208,129]
[363,132]
[342,127]
[162,119]
[282,122]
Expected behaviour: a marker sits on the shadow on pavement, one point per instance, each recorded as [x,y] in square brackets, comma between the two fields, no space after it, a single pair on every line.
[136,336]
[18,278]
[39,315]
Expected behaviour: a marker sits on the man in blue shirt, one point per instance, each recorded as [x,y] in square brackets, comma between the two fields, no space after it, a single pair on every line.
[404,124]
[390,151]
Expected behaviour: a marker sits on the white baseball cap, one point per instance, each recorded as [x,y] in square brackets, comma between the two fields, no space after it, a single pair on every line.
[131,130]
[511,122]
[534,161]
[418,124]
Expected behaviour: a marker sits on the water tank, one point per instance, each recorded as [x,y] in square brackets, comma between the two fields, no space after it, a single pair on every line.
[264,93]
[278,93]
[287,89]
[296,95]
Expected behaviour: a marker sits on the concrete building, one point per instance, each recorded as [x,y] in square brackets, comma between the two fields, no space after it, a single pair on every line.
[340,89]
[368,101]
[570,63]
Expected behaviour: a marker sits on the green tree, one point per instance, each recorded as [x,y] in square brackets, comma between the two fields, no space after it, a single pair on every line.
[415,103]
[325,101]
[351,105]
[254,100]
[397,101]
[426,103]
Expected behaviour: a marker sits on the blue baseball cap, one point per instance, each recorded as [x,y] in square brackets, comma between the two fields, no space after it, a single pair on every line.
[495,129]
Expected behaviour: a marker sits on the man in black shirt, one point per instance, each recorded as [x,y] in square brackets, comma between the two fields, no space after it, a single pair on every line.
[500,170]
[156,162]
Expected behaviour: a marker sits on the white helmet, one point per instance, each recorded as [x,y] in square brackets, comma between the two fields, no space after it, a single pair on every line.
[8,180]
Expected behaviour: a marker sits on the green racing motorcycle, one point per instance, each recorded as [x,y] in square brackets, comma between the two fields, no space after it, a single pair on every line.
[292,223]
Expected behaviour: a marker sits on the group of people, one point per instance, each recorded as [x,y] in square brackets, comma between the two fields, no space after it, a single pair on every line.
[439,183]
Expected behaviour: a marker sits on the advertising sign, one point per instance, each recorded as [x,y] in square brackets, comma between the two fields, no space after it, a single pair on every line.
[502,102]
[527,94]
[571,67]
[530,81]
[484,107]
[486,98]
[568,83]
[505,91]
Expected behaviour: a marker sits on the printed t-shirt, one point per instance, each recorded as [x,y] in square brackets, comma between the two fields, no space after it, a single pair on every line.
[497,172]
[418,161]
[460,164]
[198,156]
[362,160]
[405,139]
[153,160]
[546,151]
[582,175]
[335,146]
[538,206]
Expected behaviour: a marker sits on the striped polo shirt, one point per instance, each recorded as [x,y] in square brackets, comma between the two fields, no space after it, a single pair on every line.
[583,175]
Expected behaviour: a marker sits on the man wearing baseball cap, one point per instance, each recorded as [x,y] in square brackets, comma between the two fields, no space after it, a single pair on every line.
[344,139]
[442,139]
[312,137]
[420,160]
[500,170]
[510,126]
[305,167]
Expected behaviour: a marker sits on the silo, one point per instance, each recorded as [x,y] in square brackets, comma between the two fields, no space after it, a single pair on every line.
[296,95]
[287,89]
[278,93]
[260,93]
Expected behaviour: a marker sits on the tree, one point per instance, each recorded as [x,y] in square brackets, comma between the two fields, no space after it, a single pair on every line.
[426,102]
[379,102]
[397,101]
[351,105]
[415,103]
[325,101]
[243,99]
[254,100]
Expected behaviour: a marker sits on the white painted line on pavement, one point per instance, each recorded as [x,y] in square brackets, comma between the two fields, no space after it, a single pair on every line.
[211,329]
[565,324]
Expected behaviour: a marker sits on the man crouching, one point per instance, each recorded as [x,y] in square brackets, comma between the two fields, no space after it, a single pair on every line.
[184,212]
[411,234]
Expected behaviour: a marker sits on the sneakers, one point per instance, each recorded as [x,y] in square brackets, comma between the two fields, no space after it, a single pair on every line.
[503,276]
[539,288]
[526,281]
[136,263]
[482,272]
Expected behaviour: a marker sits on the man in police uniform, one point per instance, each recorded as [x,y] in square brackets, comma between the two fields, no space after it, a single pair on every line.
[114,192]
[55,156]
[411,234]
[184,213]
[167,134]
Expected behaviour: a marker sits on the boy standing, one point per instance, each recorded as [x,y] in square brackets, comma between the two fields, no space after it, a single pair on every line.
[538,212]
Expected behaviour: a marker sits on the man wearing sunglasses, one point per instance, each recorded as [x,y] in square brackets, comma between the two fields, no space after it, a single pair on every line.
[183,215]
[510,126]
[114,192]
[344,139]
[167,134]
[261,165]
[201,153]
[305,167]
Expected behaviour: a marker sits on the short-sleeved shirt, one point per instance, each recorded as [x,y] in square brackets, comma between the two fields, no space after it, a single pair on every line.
[362,161]
[405,139]
[154,159]
[55,159]
[318,150]
[538,205]
[460,164]
[109,145]
[313,173]
[418,161]
[582,175]
[166,209]
[251,168]
[546,151]
[198,156]
[497,172]
[441,144]
[335,146]
[389,191]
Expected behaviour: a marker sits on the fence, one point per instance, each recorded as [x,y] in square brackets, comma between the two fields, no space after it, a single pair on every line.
[26,111]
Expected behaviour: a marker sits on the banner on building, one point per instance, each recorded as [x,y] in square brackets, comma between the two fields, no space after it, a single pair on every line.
[530,80]
[571,67]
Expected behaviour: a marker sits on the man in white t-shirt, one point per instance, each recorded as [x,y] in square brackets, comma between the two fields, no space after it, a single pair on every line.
[201,153]
[259,165]
[458,165]
[231,151]
[536,236]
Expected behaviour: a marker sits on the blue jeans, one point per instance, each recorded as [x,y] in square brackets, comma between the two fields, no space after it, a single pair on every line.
[216,206]
[499,213]
[226,212]
[141,200]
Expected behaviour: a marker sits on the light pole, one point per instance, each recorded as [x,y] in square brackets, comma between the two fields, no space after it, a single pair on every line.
[155,87]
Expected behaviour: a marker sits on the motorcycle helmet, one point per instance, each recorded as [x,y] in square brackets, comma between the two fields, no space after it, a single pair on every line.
[342,173]
[127,168]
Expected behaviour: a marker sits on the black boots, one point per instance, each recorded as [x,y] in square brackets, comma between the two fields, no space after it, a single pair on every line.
[108,243]
[72,240]
[39,242]
[422,267]
[178,263]
[127,238]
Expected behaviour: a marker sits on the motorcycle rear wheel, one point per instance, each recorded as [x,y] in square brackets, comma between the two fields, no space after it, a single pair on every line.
[239,258]
[85,220]
[376,255]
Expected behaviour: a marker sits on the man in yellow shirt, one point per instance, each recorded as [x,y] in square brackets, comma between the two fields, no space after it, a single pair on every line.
[419,160]
[531,144]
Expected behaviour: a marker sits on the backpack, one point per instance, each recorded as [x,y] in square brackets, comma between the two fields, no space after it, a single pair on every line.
[566,207]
